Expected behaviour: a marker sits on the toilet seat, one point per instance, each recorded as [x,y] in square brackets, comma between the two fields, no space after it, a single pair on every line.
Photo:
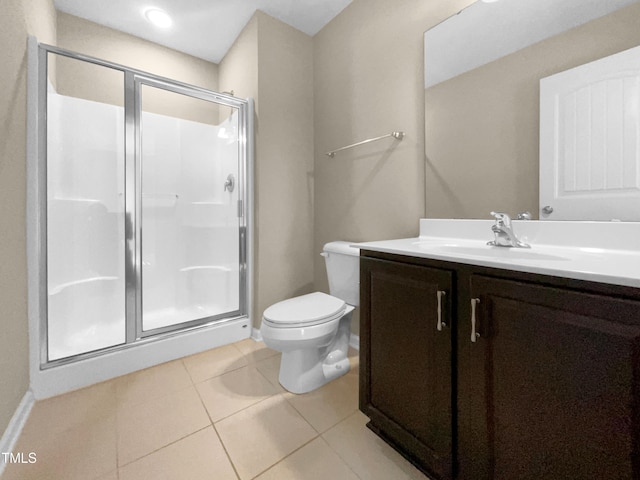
[305,311]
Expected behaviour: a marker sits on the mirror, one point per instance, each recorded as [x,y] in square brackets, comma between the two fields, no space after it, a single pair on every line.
[482,81]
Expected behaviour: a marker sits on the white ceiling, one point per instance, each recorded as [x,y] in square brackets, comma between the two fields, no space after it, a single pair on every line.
[202,28]
[484,32]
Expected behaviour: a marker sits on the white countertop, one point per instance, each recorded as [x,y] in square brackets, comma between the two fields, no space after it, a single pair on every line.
[607,252]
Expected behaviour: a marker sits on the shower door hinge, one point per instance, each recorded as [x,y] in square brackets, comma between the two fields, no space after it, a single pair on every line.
[240,209]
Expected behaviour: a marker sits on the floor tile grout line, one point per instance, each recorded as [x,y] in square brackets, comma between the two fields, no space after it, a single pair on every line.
[164,446]
[193,384]
[213,422]
[174,392]
[203,404]
[336,451]
[226,452]
[349,466]
[285,457]
[300,413]
[247,407]
[228,416]
[188,372]
[367,430]
[286,397]
[265,377]
[222,373]
[264,400]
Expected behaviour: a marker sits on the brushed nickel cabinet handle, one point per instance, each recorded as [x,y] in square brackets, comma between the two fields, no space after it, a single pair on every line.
[474,304]
[440,323]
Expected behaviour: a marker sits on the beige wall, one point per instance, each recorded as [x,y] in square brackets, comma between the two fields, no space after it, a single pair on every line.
[482,127]
[284,168]
[105,43]
[279,58]
[101,84]
[238,70]
[19,18]
[368,82]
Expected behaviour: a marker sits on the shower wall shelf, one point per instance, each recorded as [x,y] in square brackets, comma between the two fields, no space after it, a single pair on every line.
[161,195]
[77,199]
[59,288]
[159,200]
[396,135]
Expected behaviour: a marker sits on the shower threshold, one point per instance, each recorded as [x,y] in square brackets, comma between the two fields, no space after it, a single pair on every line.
[174,316]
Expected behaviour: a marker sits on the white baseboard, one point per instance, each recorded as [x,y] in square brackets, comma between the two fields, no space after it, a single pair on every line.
[256,335]
[11,434]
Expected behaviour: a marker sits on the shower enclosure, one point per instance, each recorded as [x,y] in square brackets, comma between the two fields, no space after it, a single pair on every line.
[144,194]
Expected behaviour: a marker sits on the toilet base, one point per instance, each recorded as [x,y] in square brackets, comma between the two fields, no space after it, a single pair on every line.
[304,370]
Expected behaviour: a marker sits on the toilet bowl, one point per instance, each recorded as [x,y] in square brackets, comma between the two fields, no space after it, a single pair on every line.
[312,331]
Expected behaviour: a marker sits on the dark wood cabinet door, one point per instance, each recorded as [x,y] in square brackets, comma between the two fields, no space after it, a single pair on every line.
[405,373]
[550,389]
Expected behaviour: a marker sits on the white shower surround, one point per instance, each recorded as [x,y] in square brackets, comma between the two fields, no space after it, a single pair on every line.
[62,378]
[86,286]
[185,212]
[191,262]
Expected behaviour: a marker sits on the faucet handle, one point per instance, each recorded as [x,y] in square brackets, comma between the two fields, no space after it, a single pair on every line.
[502,218]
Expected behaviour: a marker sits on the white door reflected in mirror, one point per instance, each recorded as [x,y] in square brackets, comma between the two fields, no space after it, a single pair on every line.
[589,140]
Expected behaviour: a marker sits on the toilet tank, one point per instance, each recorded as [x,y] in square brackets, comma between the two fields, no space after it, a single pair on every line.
[343,270]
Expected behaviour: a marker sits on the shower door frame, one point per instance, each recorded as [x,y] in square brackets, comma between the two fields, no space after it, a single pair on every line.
[133,256]
[133,81]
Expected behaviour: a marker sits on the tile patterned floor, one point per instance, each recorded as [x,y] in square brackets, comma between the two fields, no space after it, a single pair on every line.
[217,415]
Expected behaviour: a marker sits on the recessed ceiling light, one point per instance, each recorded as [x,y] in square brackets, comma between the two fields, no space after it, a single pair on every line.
[489,1]
[159,18]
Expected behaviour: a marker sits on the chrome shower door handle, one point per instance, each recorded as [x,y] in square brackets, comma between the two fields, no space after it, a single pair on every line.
[474,334]
[440,323]
[230,184]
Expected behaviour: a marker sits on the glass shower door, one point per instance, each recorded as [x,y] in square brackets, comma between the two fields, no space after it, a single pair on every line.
[143,186]
[188,207]
[85,221]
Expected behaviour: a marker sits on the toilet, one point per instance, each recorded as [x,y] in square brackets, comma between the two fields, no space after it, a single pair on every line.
[312,331]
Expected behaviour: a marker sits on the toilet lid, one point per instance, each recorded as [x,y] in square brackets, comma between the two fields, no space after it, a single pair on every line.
[306,310]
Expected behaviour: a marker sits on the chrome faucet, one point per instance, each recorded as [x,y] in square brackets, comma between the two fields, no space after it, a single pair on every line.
[503,232]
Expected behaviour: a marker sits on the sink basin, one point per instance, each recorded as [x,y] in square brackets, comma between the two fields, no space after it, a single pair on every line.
[451,247]
[487,251]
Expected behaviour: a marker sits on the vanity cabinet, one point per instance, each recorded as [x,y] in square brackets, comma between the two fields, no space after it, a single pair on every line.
[406,359]
[543,373]
[549,388]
